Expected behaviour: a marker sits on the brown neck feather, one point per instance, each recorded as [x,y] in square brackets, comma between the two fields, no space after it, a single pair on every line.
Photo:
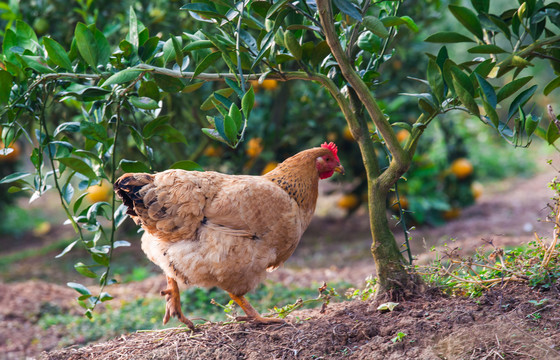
[298,176]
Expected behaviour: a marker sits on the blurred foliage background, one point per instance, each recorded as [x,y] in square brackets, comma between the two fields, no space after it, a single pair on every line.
[454,153]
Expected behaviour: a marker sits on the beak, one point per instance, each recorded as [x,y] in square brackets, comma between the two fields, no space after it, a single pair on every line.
[339,169]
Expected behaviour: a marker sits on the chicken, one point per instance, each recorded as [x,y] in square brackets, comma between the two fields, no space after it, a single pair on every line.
[210,229]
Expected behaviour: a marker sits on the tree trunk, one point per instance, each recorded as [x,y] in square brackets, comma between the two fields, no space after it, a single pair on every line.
[394,282]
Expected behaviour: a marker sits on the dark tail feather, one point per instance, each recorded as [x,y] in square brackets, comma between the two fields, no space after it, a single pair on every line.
[127,188]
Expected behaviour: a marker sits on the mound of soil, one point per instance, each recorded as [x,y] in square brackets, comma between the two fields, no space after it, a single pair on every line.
[502,324]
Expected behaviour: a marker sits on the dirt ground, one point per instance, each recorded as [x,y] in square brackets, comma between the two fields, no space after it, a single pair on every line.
[495,326]
[500,325]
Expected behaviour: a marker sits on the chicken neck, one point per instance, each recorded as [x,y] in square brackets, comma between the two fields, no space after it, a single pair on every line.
[298,176]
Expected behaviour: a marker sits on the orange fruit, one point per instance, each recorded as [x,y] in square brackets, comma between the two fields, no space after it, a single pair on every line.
[254,147]
[348,201]
[347,134]
[12,156]
[101,192]
[269,167]
[402,135]
[269,84]
[476,189]
[213,151]
[461,168]
[395,206]
[255,84]
[332,136]
[451,214]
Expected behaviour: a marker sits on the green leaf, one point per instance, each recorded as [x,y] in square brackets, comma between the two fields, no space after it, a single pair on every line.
[86,93]
[143,102]
[169,134]
[491,113]
[197,45]
[463,79]
[293,45]
[551,86]
[410,23]
[487,90]
[230,129]
[78,166]
[36,63]
[319,53]
[486,49]
[187,165]
[87,46]
[133,29]
[481,6]
[348,8]
[84,270]
[169,84]
[5,87]
[178,51]
[79,288]
[93,131]
[208,103]
[149,89]
[192,87]
[57,54]
[448,37]
[210,59]
[235,114]
[390,21]
[465,97]
[79,201]
[214,135]
[485,67]
[274,8]
[121,77]
[67,248]
[531,125]
[103,48]
[168,51]
[469,20]
[149,129]
[14,177]
[67,193]
[435,79]
[375,25]
[369,42]
[512,87]
[203,9]
[23,37]
[133,166]
[248,102]
[552,133]
[520,100]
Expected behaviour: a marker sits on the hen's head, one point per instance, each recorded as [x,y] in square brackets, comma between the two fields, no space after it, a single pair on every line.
[329,163]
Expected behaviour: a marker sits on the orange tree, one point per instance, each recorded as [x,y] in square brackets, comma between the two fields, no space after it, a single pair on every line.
[120,95]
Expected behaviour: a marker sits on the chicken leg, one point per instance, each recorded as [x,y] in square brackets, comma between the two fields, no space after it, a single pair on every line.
[252,314]
[173,305]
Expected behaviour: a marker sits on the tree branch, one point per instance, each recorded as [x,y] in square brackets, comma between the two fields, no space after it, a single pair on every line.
[400,162]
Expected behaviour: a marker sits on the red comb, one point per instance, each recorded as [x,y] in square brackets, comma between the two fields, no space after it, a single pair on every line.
[332,147]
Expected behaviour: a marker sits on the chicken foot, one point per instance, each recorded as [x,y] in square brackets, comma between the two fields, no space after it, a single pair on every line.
[252,314]
[173,305]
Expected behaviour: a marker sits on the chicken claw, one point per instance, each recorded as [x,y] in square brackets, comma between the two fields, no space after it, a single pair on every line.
[173,305]
[252,314]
